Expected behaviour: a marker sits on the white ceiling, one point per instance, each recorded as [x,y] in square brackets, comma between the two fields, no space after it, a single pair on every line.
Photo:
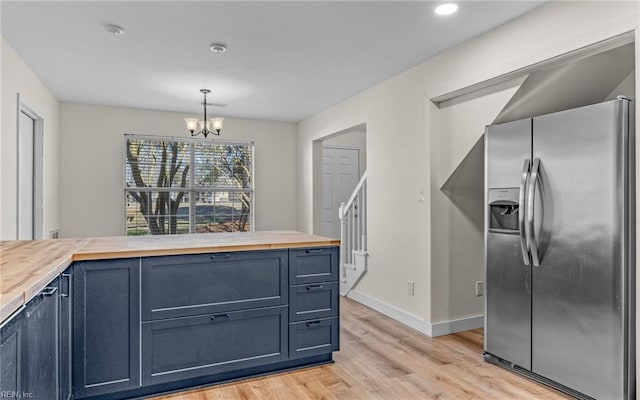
[285,60]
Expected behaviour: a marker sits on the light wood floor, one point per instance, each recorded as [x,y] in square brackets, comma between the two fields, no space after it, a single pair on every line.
[383,359]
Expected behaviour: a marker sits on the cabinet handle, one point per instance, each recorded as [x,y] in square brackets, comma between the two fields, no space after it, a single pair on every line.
[48,291]
[313,251]
[68,276]
[220,256]
[312,323]
[314,287]
[219,316]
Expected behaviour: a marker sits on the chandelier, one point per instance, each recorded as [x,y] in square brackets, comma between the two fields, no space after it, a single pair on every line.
[204,126]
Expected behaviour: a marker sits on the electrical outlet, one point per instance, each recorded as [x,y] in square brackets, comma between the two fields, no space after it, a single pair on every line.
[411,288]
[479,288]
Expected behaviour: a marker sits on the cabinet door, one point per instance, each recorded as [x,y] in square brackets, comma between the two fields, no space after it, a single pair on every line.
[179,286]
[106,330]
[312,265]
[189,347]
[66,337]
[11,355]
[41,345]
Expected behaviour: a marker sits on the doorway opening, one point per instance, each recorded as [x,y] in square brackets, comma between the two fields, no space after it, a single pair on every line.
[340,160]
[30,173]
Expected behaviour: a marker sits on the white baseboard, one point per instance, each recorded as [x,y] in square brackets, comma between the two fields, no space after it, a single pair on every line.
[413,321]
[392,312]
[457,325]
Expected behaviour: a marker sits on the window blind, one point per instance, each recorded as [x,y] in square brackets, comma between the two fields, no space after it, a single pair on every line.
[175,186]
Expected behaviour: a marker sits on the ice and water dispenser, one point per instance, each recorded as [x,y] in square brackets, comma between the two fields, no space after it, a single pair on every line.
[503,210]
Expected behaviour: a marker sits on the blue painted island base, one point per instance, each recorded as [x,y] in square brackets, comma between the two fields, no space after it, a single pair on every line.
[217,379]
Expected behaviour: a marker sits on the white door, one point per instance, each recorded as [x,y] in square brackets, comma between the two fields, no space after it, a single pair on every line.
[26,177]
[340,174]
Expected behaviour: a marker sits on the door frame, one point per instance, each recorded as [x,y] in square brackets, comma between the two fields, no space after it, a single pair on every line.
[38,168]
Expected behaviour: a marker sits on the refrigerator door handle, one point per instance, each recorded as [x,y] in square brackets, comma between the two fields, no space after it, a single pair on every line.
[524,239]
[533,182]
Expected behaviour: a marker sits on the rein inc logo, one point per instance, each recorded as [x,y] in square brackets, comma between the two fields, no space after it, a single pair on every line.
[12,394]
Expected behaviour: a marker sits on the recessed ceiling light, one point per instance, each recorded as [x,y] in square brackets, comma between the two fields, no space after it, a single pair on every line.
[446,9]
[218,47]
[115,30]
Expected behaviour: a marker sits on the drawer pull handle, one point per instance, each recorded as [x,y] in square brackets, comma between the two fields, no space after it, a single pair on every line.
[68,276]
[314,287]
[219,316]
[312,323]
[313,251]
[49,291]
[220,256]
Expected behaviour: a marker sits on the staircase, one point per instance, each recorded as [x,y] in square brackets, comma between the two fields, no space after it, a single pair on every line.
[353,237]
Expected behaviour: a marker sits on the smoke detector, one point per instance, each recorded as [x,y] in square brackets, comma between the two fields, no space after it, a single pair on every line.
[218,47]
[115,30]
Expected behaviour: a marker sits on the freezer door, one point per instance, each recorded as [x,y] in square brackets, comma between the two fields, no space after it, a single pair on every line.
[578,289]
[506,147]
[508,279]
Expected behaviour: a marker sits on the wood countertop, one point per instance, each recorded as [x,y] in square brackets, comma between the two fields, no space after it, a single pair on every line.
[27,266]
[143,246]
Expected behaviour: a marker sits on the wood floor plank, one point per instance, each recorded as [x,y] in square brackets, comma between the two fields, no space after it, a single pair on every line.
[381,359]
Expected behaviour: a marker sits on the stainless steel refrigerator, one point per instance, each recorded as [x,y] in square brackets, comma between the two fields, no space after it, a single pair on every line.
[559,241]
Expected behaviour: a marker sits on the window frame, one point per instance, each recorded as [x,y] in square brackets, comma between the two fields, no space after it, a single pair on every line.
[191,189]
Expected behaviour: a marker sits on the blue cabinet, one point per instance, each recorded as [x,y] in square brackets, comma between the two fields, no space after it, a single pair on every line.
[106,331]
[314,302]
[66,335]
[35,346]
[152,324]
[41,325]
[12,365]
[206,314]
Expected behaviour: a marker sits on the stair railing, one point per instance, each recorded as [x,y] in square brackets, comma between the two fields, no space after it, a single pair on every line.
[353,225]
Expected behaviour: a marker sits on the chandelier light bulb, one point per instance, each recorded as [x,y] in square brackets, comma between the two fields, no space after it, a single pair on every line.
[192,124]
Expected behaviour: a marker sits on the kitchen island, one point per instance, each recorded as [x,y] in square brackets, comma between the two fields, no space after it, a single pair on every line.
[146,315]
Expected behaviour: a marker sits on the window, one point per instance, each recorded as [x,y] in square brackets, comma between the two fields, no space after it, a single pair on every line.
[177,186]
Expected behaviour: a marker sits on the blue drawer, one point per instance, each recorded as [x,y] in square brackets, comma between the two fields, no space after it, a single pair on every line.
[314,337]
[190,347]
[313,301]
[179,286]
[313,265]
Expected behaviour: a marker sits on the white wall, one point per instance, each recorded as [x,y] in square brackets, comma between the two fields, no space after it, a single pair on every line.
[457,212]
[397,168]
[548,31]
[407,237]
[91,165]
[17,77]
